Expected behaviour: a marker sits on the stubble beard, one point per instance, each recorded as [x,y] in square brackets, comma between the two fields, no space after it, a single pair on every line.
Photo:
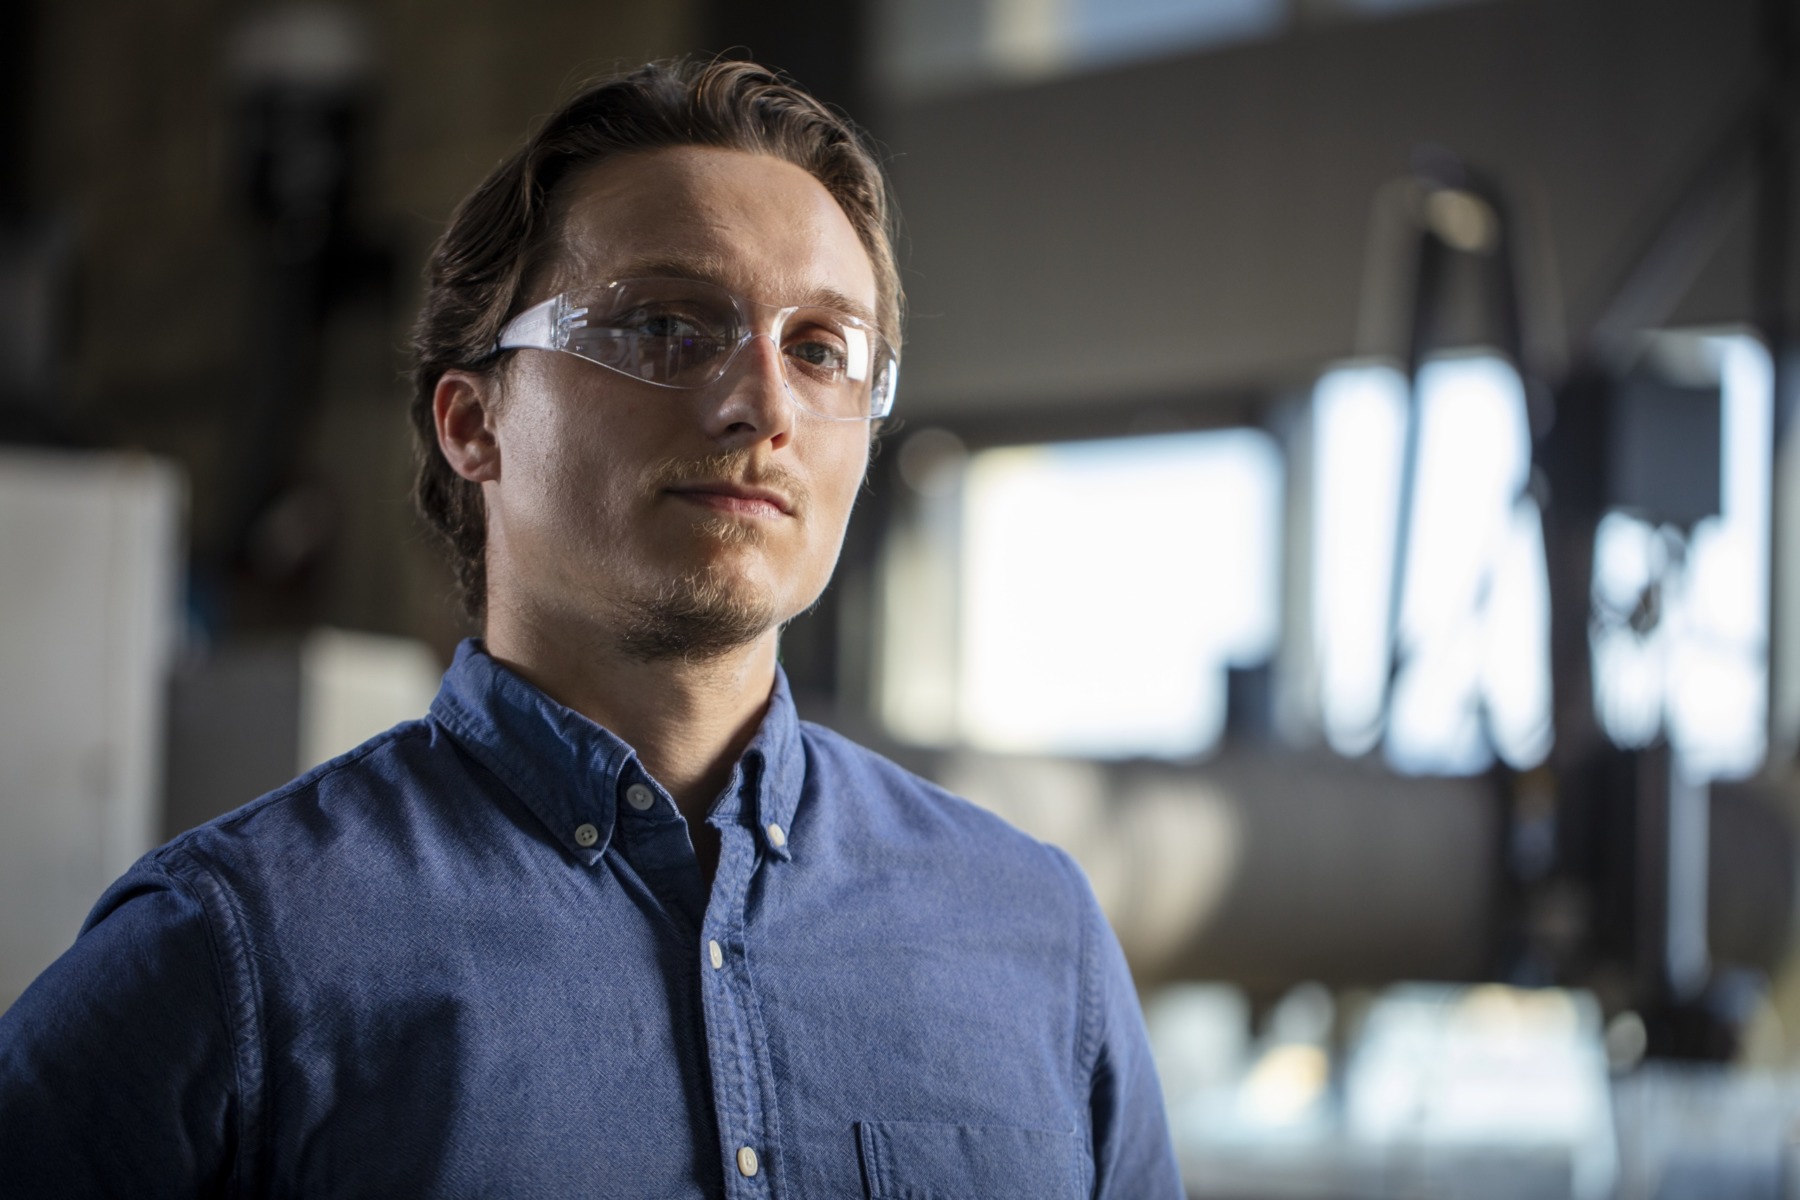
[699,616]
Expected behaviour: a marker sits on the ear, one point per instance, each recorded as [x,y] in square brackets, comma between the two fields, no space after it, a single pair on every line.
[462,408]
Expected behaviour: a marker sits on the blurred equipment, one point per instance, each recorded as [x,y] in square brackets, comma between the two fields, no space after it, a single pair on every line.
[1274,869]
[35,282]
[1483,1093]
[1633,829]
[250,715]
[1607,875]
[93,550]
[35,262]
[302,89]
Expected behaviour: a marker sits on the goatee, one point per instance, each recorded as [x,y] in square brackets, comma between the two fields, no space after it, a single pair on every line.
[695,618]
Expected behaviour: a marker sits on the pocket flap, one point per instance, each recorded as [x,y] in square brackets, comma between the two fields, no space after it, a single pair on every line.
[925,1160]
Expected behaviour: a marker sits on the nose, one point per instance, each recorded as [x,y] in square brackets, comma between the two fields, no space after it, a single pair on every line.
[753,402]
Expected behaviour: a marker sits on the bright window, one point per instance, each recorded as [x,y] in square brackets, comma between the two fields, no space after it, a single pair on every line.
[1681,630]
[1089,598]
[1100,590]
[1474,676]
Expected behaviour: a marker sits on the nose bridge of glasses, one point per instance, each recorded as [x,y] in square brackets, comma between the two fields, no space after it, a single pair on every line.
[773,323]
[770,327]
[742,350]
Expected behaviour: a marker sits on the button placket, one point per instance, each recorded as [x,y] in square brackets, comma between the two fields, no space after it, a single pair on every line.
[741,1092]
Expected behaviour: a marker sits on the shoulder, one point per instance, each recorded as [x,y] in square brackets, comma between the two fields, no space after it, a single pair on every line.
[348,788]
[386,758]
[854,773]
[337,833]
[896,810]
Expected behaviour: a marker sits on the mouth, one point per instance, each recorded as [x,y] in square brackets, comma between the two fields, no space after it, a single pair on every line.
[736,499]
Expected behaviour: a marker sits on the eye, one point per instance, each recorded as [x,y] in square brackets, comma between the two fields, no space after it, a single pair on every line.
[819,349]
[819,356]
[664,322]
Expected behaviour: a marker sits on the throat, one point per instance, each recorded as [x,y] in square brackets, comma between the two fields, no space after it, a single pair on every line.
[707,844]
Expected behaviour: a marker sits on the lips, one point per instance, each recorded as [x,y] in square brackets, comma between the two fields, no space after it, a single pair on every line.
[728,496]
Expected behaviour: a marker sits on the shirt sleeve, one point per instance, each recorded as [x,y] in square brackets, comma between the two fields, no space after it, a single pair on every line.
[1134,1157]
[116,1067]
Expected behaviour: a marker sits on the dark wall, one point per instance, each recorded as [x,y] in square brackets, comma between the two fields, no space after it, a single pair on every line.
[1201,223]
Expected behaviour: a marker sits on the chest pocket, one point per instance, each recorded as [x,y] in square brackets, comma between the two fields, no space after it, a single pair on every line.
[918,1160]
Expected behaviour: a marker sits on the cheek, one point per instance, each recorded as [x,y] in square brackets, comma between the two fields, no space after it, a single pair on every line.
[563,471]
[840,478]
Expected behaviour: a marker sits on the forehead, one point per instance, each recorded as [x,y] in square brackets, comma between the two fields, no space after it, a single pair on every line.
[756,224]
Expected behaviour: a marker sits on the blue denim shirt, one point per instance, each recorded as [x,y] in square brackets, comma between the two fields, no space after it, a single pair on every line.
[475,957]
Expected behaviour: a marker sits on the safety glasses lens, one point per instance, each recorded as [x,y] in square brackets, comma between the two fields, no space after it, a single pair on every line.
[684,333]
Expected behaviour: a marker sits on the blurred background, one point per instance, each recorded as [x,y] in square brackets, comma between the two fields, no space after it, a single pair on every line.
[1342,491]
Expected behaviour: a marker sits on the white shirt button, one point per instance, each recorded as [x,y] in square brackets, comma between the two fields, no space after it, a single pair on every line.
[717,955]
[586,835]
[777,838]
[747,1161]
[640,797]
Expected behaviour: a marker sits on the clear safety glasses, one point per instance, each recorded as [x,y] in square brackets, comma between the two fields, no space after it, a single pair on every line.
[685,333]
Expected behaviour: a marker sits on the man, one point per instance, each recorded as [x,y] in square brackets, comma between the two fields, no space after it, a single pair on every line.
[611,921]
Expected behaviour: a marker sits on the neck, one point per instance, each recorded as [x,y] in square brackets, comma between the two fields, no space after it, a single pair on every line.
[688,720]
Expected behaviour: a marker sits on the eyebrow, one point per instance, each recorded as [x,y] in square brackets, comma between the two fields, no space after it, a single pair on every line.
[710,268]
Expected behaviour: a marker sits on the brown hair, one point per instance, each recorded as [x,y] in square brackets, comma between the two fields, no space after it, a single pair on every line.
[508,227]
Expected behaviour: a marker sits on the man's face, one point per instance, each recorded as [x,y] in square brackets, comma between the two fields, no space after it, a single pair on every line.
[686,522]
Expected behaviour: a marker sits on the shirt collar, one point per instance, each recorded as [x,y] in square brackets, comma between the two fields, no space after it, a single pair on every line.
[570,771]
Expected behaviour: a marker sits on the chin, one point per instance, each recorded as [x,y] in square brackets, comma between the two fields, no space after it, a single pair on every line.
[706,613]
[724,531]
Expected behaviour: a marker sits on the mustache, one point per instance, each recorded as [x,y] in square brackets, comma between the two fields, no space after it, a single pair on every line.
[732,466]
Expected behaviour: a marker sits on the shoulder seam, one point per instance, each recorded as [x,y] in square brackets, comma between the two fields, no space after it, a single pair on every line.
[1091,1033]
[308,779]
[242,1011]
